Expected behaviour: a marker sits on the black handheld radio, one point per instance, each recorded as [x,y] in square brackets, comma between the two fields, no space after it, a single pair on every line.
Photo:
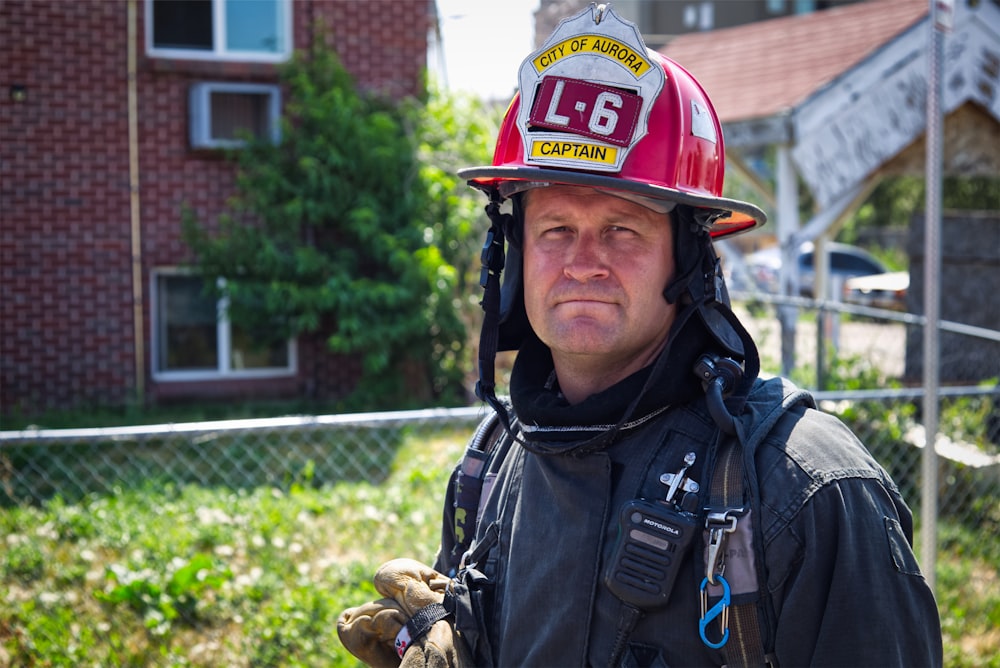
[652,539]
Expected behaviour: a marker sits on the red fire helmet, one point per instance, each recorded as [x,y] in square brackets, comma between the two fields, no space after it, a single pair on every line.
[596,108]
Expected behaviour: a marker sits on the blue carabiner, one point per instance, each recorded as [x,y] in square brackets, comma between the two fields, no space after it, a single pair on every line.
[720,609]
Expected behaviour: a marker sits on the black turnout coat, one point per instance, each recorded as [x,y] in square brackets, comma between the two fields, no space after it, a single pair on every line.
[842,586]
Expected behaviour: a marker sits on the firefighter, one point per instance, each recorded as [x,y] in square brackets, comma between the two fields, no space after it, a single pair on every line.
[643,498]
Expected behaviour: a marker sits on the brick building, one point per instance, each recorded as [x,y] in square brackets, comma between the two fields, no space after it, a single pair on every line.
[111,116]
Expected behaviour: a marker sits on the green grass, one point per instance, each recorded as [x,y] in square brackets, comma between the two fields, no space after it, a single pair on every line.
[968,593]
[194,576]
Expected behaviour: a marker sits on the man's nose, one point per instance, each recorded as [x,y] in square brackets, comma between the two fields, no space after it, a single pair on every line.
[586,259]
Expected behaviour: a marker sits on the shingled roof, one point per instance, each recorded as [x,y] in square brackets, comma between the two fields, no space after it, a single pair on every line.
[765,68]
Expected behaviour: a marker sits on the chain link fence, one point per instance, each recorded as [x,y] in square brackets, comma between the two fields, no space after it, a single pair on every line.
[237,454]
[39,465]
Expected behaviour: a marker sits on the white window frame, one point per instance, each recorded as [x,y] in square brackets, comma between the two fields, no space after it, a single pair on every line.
[219,50]
[200,111]
[223,342]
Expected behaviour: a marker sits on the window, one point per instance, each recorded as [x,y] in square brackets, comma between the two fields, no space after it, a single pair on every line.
[192,340]
[690,16]
[804,6]
[257,30]
[221,112]
[845,261]
[699,16]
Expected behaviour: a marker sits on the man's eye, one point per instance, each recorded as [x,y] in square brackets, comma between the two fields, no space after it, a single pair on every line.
[556,229]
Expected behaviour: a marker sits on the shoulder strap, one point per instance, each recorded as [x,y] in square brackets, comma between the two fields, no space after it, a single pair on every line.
[734,484]
[468,482]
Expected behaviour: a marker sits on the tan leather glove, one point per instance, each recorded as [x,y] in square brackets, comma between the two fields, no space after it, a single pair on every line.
[370,631]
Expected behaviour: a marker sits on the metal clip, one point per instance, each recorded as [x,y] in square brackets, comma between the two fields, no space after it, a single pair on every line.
[599,13]
[677,480]
[720,610]
[719,525]
[492,256]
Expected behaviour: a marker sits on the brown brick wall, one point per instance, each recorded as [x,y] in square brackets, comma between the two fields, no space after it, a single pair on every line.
[65,309]
[66,315]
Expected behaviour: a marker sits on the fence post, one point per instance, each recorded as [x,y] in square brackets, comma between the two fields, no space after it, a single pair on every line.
[940,21]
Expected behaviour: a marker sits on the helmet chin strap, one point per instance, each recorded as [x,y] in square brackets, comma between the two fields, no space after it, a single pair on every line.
[605,439]
[492,259]
[701,284]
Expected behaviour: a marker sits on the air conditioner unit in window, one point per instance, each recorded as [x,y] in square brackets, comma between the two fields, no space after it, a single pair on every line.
[220,114]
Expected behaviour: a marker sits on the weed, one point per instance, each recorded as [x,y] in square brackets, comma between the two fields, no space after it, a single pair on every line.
[23,560]
[163,598]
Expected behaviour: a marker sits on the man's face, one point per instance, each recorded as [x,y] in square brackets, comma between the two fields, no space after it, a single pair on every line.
[595,267]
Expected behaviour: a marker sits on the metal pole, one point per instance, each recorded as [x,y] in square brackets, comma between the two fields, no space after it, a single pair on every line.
[821,285]
[788,225]
[940,15]
[138,324]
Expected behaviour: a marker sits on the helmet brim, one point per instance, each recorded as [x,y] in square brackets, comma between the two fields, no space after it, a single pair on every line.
[738,216]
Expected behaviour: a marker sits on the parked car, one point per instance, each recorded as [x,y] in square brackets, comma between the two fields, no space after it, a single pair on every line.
[886,290]
[846,261]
